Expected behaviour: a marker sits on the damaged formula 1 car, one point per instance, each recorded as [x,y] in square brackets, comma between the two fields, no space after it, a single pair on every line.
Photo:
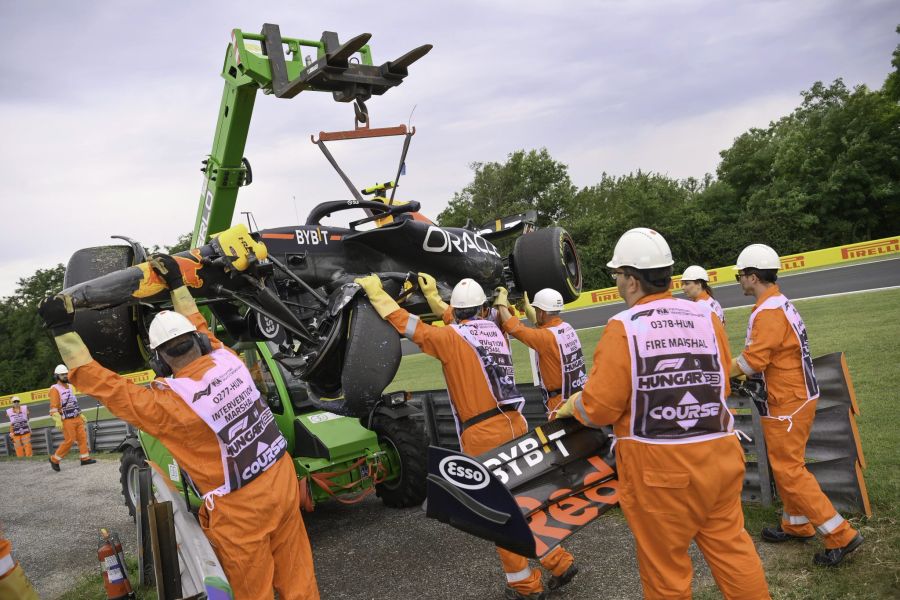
[285,299]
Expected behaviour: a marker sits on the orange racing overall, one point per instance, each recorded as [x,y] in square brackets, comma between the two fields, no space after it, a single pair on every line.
[64,402]
[559,379]
[20,430]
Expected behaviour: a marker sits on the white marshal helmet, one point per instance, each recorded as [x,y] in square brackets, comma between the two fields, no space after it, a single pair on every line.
[167,325]
[641,248]
[549,300]
[466,294]
[757,256]
[695,273]
[61,370]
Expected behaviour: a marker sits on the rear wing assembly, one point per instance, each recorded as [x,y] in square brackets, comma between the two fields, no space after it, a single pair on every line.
[529,494]
[507,227]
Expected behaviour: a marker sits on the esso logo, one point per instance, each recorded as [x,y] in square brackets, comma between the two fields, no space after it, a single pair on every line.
[464,472]
[267,326]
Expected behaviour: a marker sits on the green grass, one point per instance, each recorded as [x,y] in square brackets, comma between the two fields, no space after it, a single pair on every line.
[866,327]
[422,372]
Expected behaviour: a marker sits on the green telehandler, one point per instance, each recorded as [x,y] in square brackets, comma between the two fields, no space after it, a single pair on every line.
[380,449]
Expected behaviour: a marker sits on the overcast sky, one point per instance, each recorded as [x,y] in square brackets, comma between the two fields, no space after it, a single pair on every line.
[107,108]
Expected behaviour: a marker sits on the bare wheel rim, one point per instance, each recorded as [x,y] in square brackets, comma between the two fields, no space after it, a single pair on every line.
[132,480]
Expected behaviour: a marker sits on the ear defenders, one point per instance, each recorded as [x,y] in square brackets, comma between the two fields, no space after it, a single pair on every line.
[162,368]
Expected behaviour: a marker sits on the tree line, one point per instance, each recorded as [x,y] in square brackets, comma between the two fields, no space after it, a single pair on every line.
[824,175]
[827,174]
[28,354]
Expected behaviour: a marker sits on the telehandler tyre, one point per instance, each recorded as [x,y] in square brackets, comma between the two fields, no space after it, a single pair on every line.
[132,460]
[408,440]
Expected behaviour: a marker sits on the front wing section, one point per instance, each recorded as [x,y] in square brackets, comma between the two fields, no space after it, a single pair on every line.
[530,494]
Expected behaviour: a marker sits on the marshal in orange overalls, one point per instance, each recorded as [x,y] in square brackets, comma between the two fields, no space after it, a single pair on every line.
[471,396]
[544,343]
[19,429]
[672,494]
[257,530]
[73,429]
[14,585]
[773,349]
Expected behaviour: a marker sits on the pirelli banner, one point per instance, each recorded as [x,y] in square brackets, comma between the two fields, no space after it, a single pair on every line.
[793,262]
[43,395]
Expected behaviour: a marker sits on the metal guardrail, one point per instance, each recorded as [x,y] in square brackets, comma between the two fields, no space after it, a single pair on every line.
[103,436]
[440,426]
[833,454]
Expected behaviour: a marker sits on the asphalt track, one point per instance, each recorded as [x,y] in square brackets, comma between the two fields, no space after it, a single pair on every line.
[832,280]
[42,409]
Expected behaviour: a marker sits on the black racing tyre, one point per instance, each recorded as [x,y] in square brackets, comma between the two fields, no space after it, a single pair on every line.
[132,459]
[360,365]
[547,258]
[410,446]
[111,334]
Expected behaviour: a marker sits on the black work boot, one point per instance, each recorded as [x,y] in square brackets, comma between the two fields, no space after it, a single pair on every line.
[87,461]
[834,556]
[776,535]
[53,465]
[512,594]
[557,581]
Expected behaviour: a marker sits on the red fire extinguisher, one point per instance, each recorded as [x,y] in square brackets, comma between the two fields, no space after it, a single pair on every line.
[112,561]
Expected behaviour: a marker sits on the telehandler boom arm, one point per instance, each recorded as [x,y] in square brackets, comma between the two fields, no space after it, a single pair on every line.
[346,70]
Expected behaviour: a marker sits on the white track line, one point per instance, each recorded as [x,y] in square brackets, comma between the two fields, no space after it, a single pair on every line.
[810,272]
[881,289]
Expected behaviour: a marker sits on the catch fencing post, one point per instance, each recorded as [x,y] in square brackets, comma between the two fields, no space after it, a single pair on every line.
[48,436]
[762,459]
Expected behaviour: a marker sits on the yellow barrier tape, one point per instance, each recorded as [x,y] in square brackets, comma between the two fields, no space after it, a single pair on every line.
[815,258]
[805,260]
[43,395]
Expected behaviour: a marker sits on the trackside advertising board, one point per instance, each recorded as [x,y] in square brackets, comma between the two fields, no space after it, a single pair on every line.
[805,260]
[43,395]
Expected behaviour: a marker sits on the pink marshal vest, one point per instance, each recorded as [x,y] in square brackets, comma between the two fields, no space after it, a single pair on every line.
[67,401]
[571,359]
[678,379]
[780,302]
[19,421]
[714,306]
[493,352]
[228,402]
